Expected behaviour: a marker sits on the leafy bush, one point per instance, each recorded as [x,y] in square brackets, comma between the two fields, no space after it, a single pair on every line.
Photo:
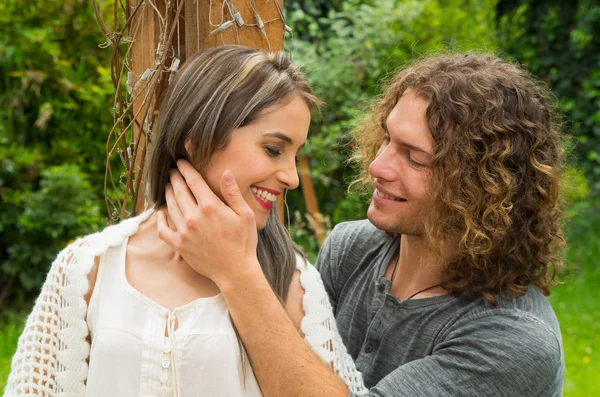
[559,42]
[55,115]
[36,223]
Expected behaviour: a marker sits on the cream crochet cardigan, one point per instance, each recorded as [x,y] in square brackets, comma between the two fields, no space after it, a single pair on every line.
[53,350]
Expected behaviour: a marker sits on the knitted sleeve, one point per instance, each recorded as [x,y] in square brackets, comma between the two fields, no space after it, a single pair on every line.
[52,351]
[320,329]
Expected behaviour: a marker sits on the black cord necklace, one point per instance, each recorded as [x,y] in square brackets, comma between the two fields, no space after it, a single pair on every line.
[423,290]
[416,293]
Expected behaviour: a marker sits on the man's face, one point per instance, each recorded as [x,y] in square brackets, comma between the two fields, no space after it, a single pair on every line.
[401,169]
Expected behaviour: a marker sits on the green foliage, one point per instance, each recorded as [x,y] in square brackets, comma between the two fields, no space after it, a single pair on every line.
[347,50]
[63,207]
[11,326]
[36,223]
[559,42]
[574,187]
[56,92]
[55,115]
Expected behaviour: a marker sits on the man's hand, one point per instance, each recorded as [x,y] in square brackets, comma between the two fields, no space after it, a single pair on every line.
[216,239]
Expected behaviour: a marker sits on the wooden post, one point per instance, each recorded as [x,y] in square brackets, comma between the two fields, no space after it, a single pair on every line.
[310,199]
[145,33]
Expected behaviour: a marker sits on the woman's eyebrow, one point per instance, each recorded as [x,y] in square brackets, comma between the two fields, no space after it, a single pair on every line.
[283,137]
[279,135]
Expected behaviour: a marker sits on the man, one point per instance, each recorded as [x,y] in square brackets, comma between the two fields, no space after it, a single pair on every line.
[441,291]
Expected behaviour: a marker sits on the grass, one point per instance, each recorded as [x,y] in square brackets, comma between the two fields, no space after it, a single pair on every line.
[9,334]
[576,304]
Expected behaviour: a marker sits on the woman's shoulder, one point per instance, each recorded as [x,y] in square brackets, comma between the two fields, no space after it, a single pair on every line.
[85,251]
[113,235]
[96,245]
[304,283]
[309,280]
[295,296]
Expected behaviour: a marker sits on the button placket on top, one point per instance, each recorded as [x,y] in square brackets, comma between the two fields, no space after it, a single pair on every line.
[377,324]
[375,313]
[169,362]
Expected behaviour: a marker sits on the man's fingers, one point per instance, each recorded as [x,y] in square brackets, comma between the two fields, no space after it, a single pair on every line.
[182,193]
[195,182]
[173,207]
[165,233]
[232,195]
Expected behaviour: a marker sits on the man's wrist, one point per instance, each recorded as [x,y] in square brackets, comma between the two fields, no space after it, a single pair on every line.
[249,276]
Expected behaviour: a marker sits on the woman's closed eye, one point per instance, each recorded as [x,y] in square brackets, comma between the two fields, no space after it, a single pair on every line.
[273,151]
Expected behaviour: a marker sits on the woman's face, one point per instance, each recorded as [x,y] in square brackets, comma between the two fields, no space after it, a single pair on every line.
[262,156]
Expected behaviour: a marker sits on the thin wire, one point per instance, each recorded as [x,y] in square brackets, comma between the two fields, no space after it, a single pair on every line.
[178,39]
[287,210]
[232,12]
[198,24]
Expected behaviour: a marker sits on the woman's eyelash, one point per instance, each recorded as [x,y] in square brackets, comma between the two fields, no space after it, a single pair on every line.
[272,151]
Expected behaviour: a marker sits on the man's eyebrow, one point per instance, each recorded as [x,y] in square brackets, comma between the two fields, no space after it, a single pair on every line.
[283,137]
[408,145]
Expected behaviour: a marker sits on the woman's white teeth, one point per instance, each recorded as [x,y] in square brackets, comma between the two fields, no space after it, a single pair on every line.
[388,197]
[264,194]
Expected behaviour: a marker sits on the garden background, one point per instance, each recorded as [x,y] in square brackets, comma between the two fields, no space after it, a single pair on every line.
[55,114]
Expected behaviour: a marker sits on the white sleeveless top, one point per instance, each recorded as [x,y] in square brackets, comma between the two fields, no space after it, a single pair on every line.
[137,351]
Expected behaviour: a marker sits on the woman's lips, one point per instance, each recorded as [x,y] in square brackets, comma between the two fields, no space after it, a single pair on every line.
[265,197]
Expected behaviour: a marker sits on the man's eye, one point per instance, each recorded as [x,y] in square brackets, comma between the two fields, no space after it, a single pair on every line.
[416,164]
[272,151]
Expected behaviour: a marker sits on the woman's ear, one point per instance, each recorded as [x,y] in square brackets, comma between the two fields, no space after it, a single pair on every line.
[188,150]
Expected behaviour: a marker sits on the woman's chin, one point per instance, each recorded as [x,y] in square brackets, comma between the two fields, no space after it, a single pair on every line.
[261,221]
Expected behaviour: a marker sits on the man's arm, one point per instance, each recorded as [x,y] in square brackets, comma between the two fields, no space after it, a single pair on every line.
[283,363]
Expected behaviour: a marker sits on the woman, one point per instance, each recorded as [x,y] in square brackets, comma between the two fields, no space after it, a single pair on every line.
[156,327]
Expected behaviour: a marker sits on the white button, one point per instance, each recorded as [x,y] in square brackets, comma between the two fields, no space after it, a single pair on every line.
[167,348]
[164,378]
[163,391]
[166,364]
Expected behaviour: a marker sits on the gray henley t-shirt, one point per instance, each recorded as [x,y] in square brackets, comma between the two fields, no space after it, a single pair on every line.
[440,346]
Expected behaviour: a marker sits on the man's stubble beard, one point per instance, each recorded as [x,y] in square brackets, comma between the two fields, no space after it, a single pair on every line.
[397,226]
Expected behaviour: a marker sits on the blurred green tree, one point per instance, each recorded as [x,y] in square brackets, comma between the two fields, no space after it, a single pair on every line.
[55,114]
[559,42]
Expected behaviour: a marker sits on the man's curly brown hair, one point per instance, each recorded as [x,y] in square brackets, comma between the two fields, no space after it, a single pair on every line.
[495,174]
